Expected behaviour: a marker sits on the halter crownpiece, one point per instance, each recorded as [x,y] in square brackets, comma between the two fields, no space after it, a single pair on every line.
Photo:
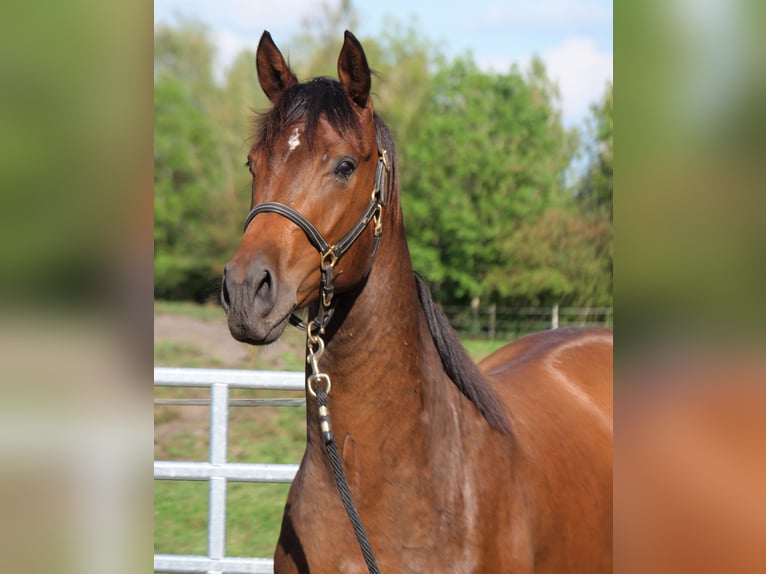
[331,254]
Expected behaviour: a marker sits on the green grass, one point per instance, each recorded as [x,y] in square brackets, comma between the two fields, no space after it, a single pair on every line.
[480,348]
[178,354]
[253,517]
[180,517]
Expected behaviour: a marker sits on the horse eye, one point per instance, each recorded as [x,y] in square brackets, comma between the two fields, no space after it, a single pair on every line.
[249,165]
[345,169]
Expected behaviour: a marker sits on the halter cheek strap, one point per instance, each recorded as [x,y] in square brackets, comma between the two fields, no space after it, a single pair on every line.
[330,254]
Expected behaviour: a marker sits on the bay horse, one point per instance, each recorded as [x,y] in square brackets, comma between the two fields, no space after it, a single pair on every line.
[504,467]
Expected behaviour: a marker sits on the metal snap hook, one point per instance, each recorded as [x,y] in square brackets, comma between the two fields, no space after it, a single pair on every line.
[313,379]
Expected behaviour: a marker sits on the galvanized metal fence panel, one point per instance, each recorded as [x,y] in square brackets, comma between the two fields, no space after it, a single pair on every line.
[217,471]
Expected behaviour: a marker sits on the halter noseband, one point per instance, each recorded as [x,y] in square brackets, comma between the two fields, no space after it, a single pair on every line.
[330,254]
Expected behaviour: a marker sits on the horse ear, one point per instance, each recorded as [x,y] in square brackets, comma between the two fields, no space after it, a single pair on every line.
[274,74]
[353,71]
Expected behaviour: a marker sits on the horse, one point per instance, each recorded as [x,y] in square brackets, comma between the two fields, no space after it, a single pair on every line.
[453,467]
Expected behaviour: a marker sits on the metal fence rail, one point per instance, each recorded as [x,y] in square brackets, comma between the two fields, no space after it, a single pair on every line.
[217,470]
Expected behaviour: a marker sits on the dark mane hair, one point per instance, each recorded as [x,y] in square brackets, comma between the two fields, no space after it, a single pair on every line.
[459,366]
[308,101]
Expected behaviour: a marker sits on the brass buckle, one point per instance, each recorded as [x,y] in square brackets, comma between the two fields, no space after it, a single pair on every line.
[326,299]
[384,158]
[329,258]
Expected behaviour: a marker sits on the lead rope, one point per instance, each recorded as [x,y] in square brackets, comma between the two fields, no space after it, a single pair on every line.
[315,348]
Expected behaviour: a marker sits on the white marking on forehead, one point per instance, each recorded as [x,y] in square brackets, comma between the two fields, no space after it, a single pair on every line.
[295,139]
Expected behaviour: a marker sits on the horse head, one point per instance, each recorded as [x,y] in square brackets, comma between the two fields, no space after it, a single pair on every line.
[317,195]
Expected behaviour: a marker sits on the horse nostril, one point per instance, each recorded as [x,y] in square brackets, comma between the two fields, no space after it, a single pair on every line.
[263,289]
[225,300]
[248,290]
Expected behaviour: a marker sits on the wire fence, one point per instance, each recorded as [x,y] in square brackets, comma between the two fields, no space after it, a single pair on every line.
[509,323]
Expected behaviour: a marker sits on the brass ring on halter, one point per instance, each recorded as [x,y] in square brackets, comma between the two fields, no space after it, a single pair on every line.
[316,377]
[315,340]
[329,258]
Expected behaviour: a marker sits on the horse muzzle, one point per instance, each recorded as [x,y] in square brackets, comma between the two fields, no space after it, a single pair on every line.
[257,304]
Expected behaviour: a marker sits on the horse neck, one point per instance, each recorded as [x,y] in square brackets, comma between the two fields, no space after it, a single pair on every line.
[389,387]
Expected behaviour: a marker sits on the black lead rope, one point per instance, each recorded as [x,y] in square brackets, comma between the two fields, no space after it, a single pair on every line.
[342,482]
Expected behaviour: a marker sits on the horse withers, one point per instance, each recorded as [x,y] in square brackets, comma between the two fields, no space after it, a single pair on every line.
[501,467]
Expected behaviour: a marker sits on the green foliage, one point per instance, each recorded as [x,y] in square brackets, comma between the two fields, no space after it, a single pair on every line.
[555,258]
[596,188]
[185,163]
[196,224]
[595,191]
[184,52]
[182,277]
[490,154]
[316,47]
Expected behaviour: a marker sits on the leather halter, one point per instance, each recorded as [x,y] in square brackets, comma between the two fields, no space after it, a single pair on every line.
[330,254]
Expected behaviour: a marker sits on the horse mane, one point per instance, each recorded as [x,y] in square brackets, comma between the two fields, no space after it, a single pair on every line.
[308,101]
[459,367]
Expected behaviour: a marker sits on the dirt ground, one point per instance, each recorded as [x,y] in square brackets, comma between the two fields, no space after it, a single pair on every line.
[212,337]
[213,344]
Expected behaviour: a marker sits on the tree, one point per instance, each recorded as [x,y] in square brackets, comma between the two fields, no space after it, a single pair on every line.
[596,188]
[184,153]
[316,47]
[185,53]
[555,259]
[564,256]
[201,141]
[189,165]
[490,154]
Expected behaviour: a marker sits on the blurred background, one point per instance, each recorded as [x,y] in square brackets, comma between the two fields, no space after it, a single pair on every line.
[690,246]
[82,137]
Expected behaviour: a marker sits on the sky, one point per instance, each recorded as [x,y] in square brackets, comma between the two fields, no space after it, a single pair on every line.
[573,37]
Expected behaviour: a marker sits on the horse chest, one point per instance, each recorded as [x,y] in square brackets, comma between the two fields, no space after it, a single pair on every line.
[411,534]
